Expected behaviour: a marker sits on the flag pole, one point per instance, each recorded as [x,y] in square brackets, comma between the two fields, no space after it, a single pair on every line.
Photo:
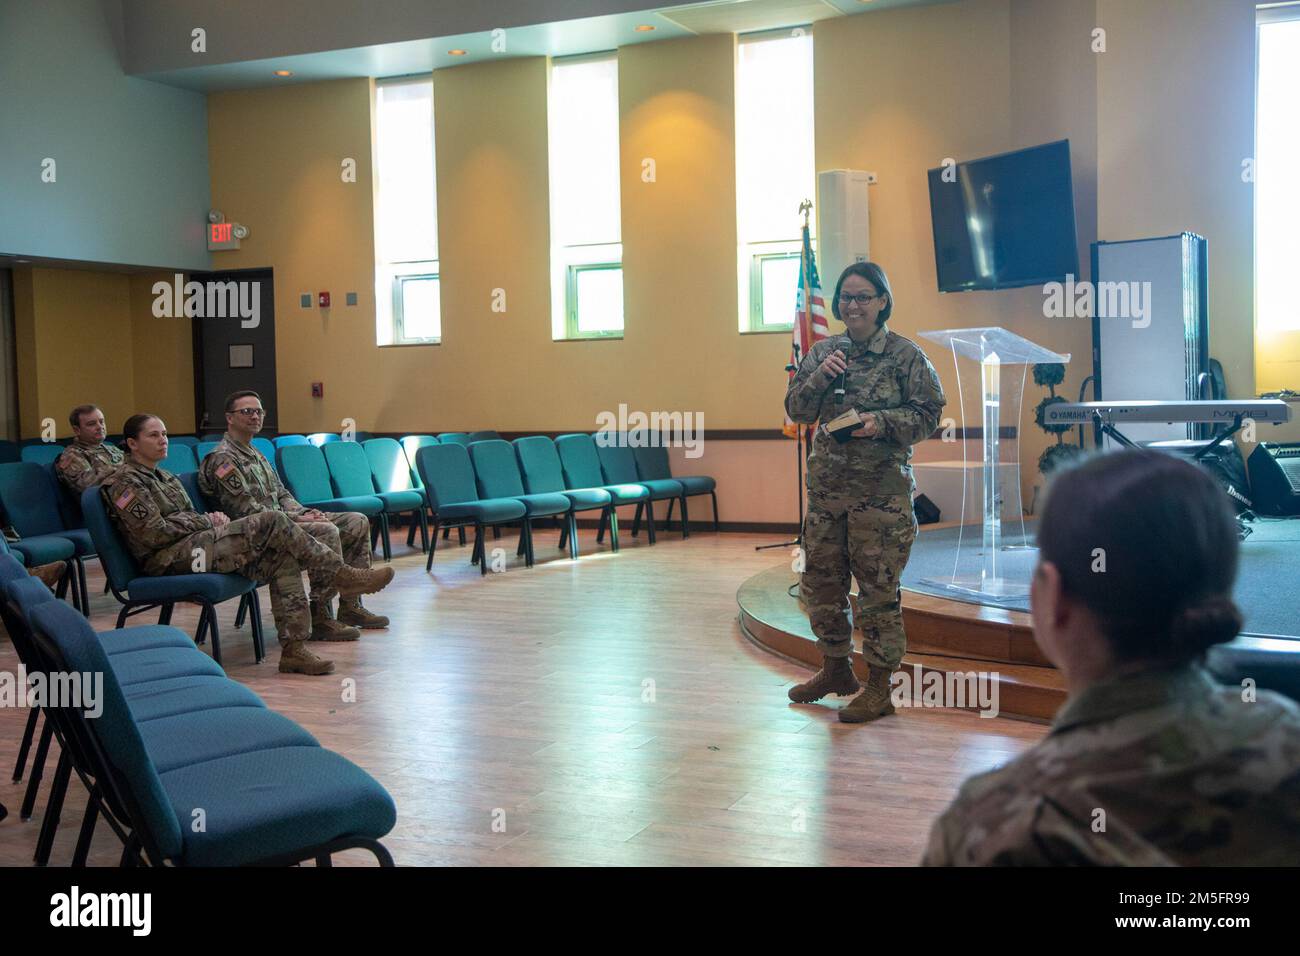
[805,207]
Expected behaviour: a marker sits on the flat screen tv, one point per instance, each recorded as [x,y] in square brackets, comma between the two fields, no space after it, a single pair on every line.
[1004,221]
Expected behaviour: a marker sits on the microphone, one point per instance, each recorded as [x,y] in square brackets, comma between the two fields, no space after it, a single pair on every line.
[839,384]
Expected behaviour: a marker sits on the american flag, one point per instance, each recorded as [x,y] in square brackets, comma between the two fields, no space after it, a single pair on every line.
[809,321]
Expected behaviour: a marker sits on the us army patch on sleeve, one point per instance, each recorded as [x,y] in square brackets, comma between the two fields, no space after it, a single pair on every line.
[225,468]
[125,499]
[139,511]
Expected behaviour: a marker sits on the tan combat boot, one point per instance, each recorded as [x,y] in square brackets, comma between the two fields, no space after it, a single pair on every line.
[354,581]
[325,628]
[297,658]
[351,612]
[873,703]
[48,574]
[835,677]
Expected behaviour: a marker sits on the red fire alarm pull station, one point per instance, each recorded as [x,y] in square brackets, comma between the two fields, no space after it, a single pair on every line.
[323,299]
[317,389]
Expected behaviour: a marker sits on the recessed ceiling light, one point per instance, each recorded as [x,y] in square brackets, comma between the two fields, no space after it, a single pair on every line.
[643,28]
[22,260]
[284,72]
[458,52]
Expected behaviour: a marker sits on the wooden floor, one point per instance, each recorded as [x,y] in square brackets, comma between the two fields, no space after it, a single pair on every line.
[607,711]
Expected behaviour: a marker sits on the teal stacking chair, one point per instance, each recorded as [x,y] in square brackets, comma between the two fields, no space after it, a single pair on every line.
[10,451]
[350,473]
[42,454]
[307,477]
[190,440]
[453,438]
[282,441]
[497,472]
[652,465]
[207,436]
[581,465]
[31,499]
[391,472]
[452,492]
[323,438]
[412,444]
[488,435]
[180,459]
[265,446]
[204,449]
[618,464]
[540,466]
[138,592]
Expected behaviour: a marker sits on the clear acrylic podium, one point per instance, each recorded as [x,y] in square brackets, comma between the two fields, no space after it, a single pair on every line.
[1001,389]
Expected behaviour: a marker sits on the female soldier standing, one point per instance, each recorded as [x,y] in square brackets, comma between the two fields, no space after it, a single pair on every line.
[859,518]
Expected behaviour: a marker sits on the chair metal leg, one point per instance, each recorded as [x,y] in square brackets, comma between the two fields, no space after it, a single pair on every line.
[324,859]
[20,766]
[433,545]
[201,631]
[669,520]
[121,617]
[686,521]
[243,609]
[530,556]
[523,538]
[573,536]
[164,614]
[81,586]
[636,518]
[446,533]
[38,771]
[613,529]
[255,625]
[564,535]
[61,586]
[383,536]
[461,532]
[53,810]
[650,520]
[212,628]
[479,543]
[600,528]
[87,832]
[714,496]
[424,530]
[496,532]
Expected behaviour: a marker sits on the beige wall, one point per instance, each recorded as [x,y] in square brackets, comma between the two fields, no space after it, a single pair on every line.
[84,336]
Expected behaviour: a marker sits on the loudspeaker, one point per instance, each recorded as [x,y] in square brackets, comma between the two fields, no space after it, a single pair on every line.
[1275,478]
[926,511]
[843,221]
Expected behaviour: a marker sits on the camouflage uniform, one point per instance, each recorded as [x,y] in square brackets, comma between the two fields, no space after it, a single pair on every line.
[81,465]
[1179,771]
[243,482]
[162,531]
[860,518]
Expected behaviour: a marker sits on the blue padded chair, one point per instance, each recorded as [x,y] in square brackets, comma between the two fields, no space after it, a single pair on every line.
[391,473]
[307,477]
[349,470]
[539,463]
[453,438]
[279,796]
[497,472]
[265,446]
[190,440]
[652,465]
[180,459]
[283,441]
[581,466]
[209,436]
[30,496]
[138,593]
[488,435]
[10,451]
[204,449]
[618,463]
[449,485]
[42,454]
[411,444]
[322,438]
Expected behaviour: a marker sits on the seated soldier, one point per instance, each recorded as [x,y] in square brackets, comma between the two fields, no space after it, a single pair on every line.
[242,482]
[167,536]
[89,460]
[1149,762]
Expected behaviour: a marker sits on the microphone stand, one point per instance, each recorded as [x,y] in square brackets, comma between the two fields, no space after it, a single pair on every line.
[798,444]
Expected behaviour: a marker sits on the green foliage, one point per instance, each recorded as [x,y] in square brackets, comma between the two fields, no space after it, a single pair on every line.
[1049,374]
[1040,411]
[1057,456]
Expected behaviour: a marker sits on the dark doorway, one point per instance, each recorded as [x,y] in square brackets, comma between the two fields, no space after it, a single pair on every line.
[230,352]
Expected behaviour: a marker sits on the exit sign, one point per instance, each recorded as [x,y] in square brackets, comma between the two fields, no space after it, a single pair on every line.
[220,236]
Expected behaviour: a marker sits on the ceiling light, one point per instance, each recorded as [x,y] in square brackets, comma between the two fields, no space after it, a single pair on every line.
[643,28]
[284,72]
[458,52]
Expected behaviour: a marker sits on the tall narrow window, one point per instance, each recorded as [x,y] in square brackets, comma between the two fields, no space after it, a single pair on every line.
[407,310]
[586,231]
[774,172]
[1277,191]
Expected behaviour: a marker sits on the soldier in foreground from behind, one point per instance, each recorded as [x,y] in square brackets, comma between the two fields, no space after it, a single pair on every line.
[89,460]
[1149,762]
[165,534]
[244,483]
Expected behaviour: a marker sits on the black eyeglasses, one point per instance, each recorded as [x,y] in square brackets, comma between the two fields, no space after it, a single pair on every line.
[251,412]
[861,298]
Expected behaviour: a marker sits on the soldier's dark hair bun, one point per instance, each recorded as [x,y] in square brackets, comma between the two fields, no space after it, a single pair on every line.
[1203,624]
[1148,543]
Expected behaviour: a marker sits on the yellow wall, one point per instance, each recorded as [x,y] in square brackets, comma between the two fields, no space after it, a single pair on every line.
[84,336]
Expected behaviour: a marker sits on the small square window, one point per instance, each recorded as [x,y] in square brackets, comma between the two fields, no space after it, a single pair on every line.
[417,310]
[595,300]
